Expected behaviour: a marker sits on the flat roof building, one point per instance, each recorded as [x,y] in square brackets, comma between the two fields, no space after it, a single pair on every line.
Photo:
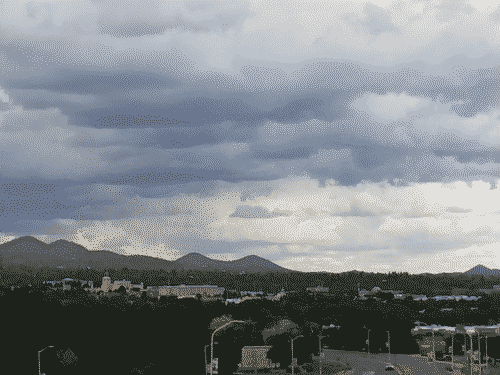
[190,290]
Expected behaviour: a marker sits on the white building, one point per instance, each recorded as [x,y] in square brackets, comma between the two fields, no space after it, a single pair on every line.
[190,290]
[116,284]
[106,283]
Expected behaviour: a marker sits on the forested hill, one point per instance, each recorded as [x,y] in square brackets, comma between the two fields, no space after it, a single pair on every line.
[31,252]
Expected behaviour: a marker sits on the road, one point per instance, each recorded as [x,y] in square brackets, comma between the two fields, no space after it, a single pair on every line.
[374,364]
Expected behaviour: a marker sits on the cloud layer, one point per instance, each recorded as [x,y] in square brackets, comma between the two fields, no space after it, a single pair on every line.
[323,135]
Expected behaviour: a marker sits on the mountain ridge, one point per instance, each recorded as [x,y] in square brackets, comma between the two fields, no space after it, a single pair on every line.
[28,250]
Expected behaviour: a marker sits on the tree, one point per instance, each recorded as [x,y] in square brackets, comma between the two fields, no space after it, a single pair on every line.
[121,290]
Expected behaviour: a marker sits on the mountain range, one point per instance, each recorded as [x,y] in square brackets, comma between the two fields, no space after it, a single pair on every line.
[29,251]
[482,270]
[32,252]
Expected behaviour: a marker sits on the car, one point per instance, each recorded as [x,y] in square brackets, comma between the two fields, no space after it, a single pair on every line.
[390,368]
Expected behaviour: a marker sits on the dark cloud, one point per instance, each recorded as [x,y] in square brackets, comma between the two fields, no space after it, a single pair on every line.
[286,154]
[100,83]
[28,202]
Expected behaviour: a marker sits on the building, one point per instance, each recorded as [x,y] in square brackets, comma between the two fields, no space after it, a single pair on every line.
[106,283]
[190,290]
[277,296]
[117,284]
[318,289]
[252,294]
[419,297]
[431,339]
[254,358]
[137,286]
[66,283]
[232,300]
[455,298]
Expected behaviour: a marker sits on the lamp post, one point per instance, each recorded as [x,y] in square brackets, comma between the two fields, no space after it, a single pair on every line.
[205,349]
[292,353]
[39,373]
[389,344]
[320,348]
[433,346]
[368,341]
[452,341]
[212,344]
[486,354]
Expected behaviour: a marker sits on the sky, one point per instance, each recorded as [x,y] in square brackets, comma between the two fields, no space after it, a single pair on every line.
[321,135]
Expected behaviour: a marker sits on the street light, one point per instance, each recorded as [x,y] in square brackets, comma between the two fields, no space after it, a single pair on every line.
[292,353]
[368,341]
[433,340]
[205,349]
[389,345]
[320,348]
[39,373]
[212,344]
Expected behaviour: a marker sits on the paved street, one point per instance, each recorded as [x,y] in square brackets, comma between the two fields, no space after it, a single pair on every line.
[374,364]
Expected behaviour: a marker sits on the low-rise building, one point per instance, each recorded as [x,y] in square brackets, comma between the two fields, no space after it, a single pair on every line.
[117,284]
[419,297]
[318,289]
[190,290]
[106,283]
[137,286]
[254,358]
[252,294]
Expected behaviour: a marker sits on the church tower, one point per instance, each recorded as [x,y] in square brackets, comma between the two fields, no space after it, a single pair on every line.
[106,282]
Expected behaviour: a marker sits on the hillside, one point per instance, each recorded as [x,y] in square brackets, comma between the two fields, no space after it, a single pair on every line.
[32,252]
[482,270]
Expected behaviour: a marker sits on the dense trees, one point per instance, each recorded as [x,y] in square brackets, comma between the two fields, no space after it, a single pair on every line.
[130,333]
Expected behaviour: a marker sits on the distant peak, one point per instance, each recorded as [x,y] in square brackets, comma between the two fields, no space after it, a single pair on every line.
[193,255]
[27,238]
[479,266]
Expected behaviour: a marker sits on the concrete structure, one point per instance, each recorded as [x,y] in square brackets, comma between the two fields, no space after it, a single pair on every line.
[419,297]
[455,298]
[190,290]
[65,283]
[255,358]
[106,283]
[318,289]
[277,297]
[252,294]
[431,345]
[364,295]
[116,284]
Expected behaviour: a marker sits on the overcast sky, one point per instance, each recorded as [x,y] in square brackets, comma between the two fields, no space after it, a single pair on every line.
[323,136]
